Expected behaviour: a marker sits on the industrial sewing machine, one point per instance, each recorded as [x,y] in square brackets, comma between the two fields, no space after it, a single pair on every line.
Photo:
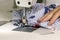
[25,5]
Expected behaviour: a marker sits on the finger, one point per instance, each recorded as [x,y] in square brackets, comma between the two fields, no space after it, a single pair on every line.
[53,19]
[48,17]
[43,17]
[39,20]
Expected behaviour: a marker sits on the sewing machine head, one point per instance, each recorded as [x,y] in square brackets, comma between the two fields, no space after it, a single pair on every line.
[25,3]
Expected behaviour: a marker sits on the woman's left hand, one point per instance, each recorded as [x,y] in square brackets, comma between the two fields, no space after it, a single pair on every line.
[51,16]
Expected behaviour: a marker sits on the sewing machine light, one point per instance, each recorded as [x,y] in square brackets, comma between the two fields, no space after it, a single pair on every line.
[25,3]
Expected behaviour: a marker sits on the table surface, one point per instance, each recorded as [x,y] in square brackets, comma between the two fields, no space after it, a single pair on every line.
[6,33]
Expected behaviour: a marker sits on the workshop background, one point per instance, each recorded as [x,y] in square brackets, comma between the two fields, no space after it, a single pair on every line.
[7,6]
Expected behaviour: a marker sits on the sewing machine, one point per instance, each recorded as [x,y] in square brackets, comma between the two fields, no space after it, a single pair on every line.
[25,5]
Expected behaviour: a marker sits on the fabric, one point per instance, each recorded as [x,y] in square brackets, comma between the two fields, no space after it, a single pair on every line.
[36,13]
[32,19]
[34,16]
[17,14]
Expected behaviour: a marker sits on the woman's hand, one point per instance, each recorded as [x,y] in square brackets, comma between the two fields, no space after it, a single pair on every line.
[51,16]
